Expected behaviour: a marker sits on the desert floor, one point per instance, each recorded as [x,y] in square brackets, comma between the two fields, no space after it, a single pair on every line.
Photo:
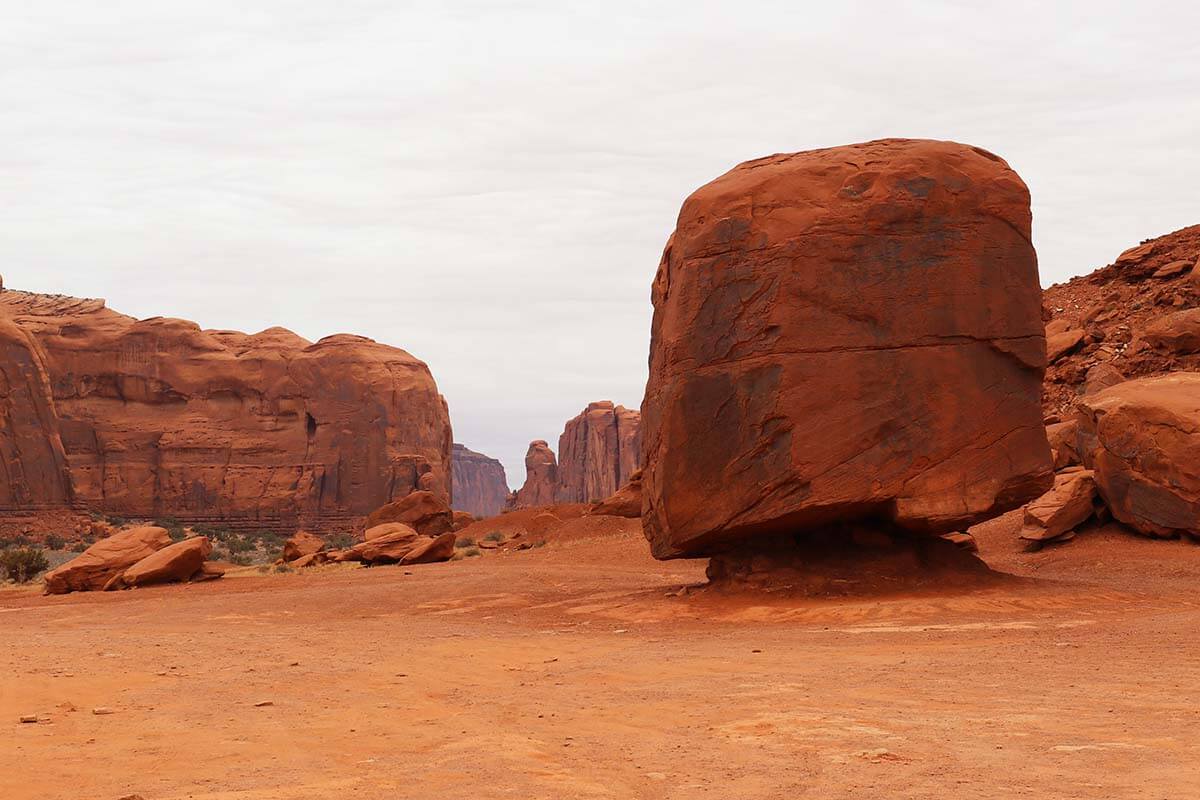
[575,670]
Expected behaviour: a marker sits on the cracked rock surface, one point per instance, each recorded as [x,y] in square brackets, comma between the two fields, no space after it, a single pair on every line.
[843,334]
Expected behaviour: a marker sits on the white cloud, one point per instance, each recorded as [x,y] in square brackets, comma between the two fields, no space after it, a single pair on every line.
[489,184]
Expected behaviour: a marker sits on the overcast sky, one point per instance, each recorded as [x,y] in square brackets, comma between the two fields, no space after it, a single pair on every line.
[489,184]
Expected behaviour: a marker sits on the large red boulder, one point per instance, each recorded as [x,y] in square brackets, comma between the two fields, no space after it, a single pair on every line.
[845,334]
[1178,332]
[175,563]
[92,569]
[1142,439]
[425,512]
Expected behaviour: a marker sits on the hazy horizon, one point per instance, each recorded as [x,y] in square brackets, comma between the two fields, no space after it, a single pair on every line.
[489,186]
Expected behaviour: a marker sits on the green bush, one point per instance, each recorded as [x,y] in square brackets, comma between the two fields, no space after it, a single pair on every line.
[55,542]
[241,559]
[23,564]
[20,540]
[79,547]
[466,541]
[174,528]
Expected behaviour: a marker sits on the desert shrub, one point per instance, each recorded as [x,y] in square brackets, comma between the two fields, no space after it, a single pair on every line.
[117,522]
[340,541]
[283,568]
[494,536]
[264,568]
[174,528]
[20,540]
[218,554]
[241,559]
[22,564]
[55,542]
[79,547]
[471,552]
[466,541]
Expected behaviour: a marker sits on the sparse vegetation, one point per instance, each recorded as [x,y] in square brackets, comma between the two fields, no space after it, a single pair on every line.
[471,552]
[174,528]
[340,541]
[466,541]
[23,564]
[494,536]
[79,547]
[55,542]
[20,540]
[283,568]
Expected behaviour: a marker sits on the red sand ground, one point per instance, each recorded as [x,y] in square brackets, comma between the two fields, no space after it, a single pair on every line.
[574,671]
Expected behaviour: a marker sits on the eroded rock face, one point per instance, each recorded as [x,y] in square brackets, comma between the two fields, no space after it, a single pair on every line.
[157,418]
[598,452]
[480,485]
[1062,509]
[1142,439]
[92,569]
[845,334]
[541,477]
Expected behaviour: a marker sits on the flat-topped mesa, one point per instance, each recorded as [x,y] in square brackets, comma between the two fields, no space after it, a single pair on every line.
[598,452]
[159,418]
[842,336]
[541,477]
[480,485]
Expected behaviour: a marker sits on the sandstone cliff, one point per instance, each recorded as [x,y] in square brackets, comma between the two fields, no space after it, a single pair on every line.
[156,418]
[598,452]
[479,483]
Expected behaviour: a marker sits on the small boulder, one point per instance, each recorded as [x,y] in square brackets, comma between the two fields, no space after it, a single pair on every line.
[388,548]
[175,563]
[1101,377]
[1178,332]
[425,512]
[1061,436]
[1142,439]
[627,502]
[1062,509]
[302,543]
[430,550]
[92,569]
[1061,340]
[1172,269]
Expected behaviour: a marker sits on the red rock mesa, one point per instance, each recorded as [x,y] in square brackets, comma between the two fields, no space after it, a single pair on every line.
[156,418]
[480,485]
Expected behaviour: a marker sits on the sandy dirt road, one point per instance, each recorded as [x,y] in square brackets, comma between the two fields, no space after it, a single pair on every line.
[571,672]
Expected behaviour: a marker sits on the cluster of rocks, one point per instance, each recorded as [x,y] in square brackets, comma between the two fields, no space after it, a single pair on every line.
[417,529]
[1131,450]
[1137,317]
[844,338]
[134,557]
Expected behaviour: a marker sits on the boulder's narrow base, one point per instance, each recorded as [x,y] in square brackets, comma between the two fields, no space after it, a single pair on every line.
[849,561]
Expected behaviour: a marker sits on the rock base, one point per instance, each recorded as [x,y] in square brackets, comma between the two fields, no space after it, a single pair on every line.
[866,560]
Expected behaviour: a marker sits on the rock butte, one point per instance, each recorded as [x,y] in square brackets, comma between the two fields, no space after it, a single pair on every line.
[541,477]
[158,418]
[598,453]
[480,485]
[845,334]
